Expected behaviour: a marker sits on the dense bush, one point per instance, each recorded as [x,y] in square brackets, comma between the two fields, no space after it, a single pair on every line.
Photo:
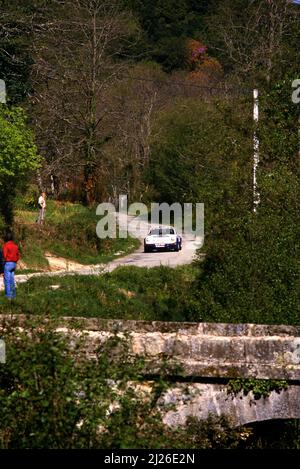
[30,197]
[18,157]
[251,272]
[202,153]
[51,396]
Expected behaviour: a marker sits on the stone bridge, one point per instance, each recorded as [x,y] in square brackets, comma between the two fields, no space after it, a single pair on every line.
[202,357]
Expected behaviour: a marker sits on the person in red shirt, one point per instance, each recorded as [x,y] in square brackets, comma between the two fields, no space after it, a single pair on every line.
[11,255]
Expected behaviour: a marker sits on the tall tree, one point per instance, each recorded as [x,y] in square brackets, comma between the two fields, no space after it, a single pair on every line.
[80,61]
[15,60]
[137,99]
[255,39]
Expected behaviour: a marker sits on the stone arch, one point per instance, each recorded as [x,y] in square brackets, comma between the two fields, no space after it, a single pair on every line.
[203,400]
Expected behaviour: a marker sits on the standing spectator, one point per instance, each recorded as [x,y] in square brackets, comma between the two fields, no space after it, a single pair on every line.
[1,262]
[42,208]
[11,256]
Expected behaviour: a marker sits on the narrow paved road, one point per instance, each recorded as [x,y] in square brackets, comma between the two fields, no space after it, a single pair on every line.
[152,259]
[138,258]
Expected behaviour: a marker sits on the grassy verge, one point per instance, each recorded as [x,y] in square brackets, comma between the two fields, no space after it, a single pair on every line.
[70,232]
[156,294]
[126,293]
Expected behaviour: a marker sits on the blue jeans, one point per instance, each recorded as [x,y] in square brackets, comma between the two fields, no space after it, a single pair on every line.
[9,279]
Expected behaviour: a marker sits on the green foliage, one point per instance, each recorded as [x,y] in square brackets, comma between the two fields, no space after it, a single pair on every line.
[254,279]
[18,152]
[52,396]
[251,270]
[166,24]
[15,59]
[30,197]
[165,294]
[214,433]
[18,156]
[259,387]
[278,128]
[200,153]
[127,293]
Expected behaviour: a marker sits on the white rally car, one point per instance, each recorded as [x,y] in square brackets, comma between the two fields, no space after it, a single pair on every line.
[162,238]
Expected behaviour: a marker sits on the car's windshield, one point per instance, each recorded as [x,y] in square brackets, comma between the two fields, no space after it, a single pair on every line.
[162,231]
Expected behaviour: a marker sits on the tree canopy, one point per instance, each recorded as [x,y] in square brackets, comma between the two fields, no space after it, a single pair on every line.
[18,156]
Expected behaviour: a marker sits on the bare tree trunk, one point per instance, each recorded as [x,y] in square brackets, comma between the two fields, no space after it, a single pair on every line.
[80,68]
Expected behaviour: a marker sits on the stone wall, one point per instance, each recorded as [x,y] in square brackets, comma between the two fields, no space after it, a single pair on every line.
[201,357]
[205,350]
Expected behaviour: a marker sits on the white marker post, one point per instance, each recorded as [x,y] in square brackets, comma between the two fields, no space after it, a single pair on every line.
[2,92]
[256,194]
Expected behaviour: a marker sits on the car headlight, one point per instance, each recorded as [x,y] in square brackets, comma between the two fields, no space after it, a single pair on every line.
[173,239]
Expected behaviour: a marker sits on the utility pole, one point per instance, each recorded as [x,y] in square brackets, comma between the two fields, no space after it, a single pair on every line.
[299,140]
[2,92]
[256,194]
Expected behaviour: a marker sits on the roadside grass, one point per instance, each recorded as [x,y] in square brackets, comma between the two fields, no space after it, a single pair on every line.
[156,294]
[70,232]
[129,293]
